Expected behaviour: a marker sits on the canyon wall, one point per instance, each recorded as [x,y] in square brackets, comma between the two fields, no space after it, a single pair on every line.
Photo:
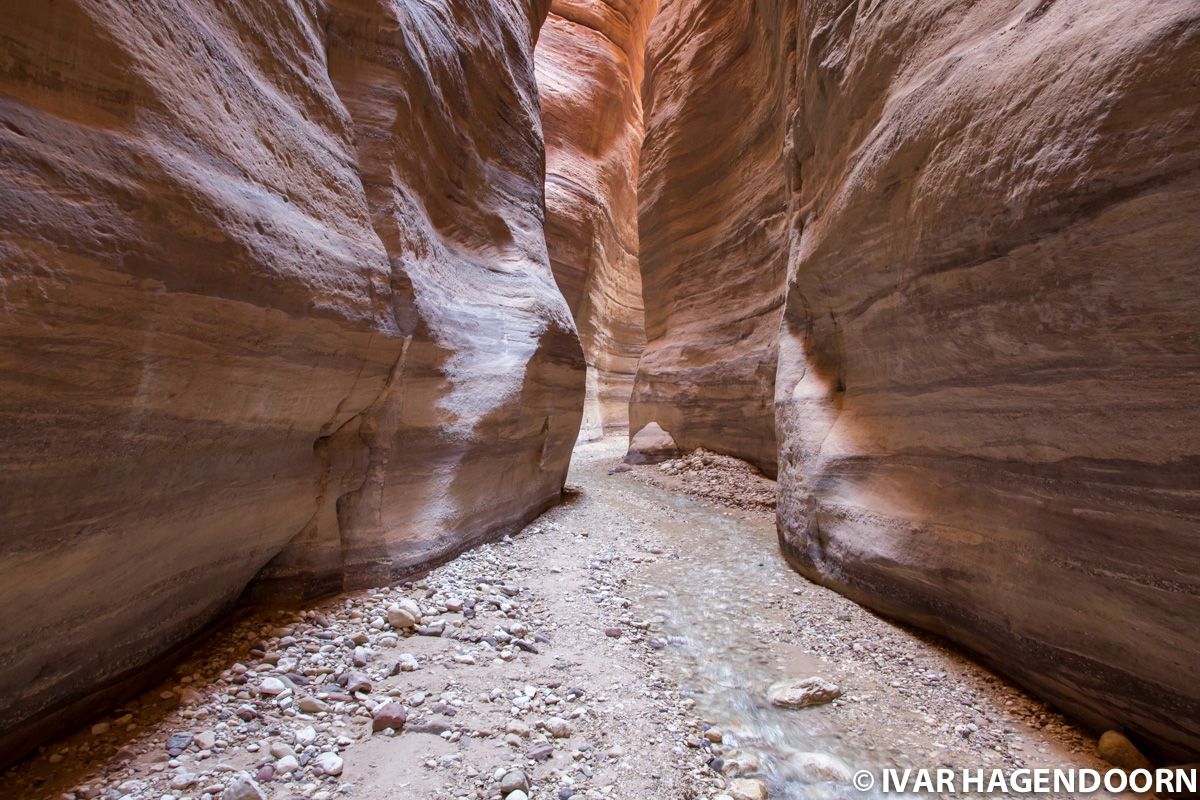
[987,394]
[275,301]
[989,357]
[589,72]
[713,224]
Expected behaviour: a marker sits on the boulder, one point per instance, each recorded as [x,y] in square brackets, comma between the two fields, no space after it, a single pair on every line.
[1115,748]
[651,445]
[747,789]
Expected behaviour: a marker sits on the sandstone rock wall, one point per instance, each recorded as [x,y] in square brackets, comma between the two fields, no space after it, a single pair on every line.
[713,225]
[990,361]
[989,357]
[589,72]
[275,298]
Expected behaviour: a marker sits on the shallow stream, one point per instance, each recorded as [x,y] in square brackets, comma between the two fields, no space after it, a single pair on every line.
[706,601]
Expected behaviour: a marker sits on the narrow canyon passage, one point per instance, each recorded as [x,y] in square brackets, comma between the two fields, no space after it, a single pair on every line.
[621,645]
[655,399]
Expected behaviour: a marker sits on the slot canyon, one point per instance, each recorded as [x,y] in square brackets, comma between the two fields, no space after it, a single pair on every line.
[585,399]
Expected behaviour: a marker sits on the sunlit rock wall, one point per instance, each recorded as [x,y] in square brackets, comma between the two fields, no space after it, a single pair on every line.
[275,295]
[713,225]
[589,72]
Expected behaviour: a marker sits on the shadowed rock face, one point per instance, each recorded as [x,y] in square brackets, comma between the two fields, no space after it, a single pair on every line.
[589,72]
[713,226]
[989,358]
[275,299]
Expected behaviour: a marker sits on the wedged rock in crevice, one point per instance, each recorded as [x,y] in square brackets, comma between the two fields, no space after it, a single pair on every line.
[986,391]
[713,225]
[589,71]
[275,279]
[651,445]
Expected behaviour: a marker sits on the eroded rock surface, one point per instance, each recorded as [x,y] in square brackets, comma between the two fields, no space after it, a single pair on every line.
[990,364]
[275,294]
[988,361]
[589,71]
[712,220]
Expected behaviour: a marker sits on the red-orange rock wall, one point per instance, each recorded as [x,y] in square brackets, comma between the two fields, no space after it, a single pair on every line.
[713,226]
[589,71]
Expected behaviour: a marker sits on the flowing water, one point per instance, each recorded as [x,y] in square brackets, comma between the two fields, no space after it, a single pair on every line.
[706,602]
[733,618]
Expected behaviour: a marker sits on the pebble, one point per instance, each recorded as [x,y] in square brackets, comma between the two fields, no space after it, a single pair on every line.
[312,705]
[558,728]
[404,614]
[280,749]
[540,752]
[355,682]
[513,780]
[243,787]
[748,789]
[821,768]
[389,715]
[272,687]
[306,735]
[178,742]
[802,693]
[183,780]
[738,763]
[329,763]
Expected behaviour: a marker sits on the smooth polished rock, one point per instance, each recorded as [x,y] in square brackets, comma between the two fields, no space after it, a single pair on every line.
[589,71]
[712,217]
[276,303]
[651,445]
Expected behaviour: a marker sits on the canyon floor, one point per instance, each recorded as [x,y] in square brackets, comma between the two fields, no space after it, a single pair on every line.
[621,646]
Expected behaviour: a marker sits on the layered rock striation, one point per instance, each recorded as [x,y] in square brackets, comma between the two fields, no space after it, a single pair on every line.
[988,359]
[589,72]
[275,301]
[713,225]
